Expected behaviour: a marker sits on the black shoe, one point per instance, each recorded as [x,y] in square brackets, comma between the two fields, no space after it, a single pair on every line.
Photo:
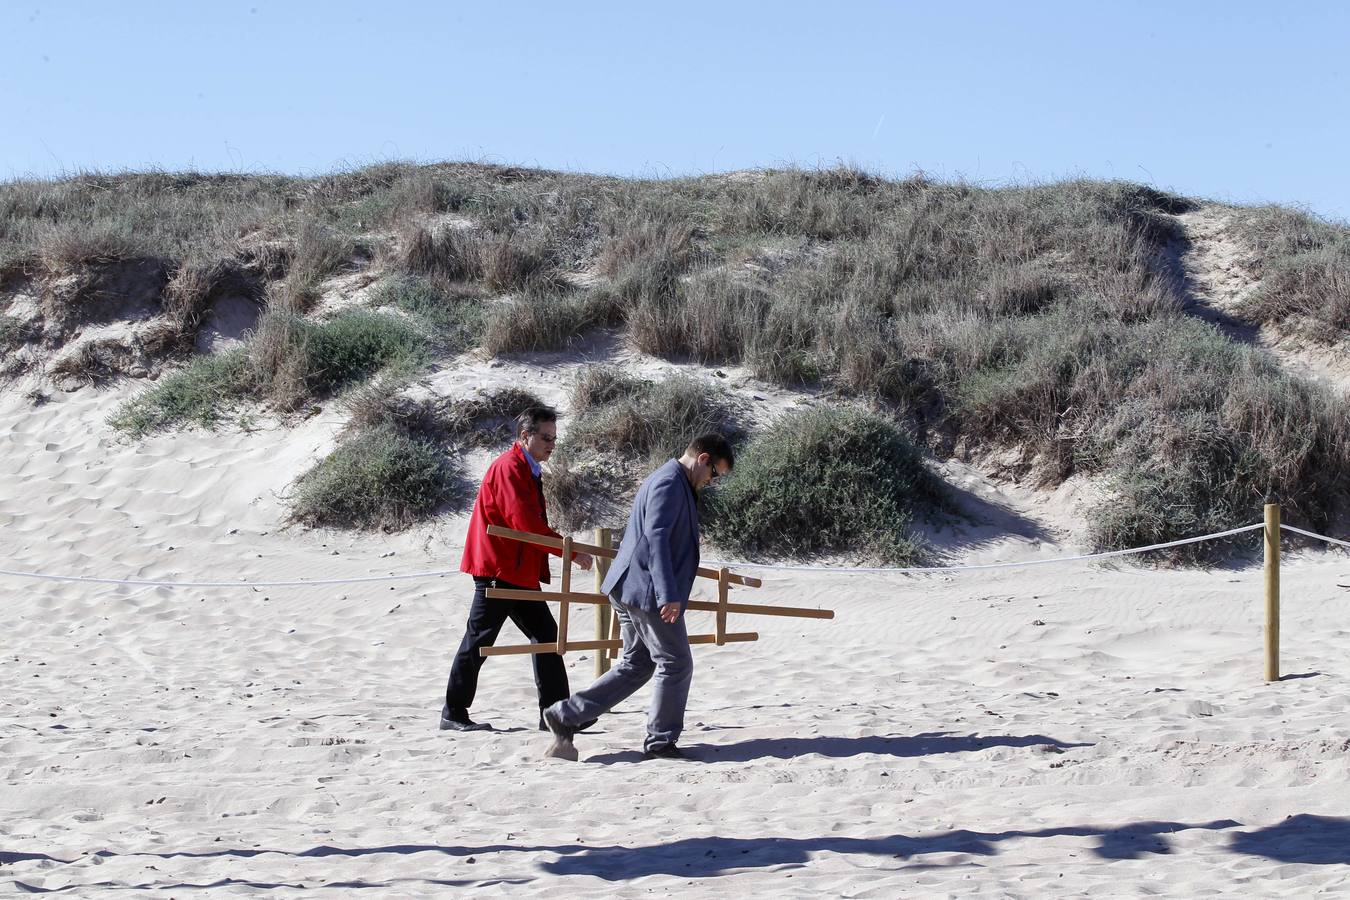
[665,751]
[458,720]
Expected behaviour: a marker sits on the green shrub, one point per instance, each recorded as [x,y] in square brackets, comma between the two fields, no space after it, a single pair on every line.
[382,478]
[296,360]
[354,345]
[825,480]
[394,465]
[289,362]
[199,394]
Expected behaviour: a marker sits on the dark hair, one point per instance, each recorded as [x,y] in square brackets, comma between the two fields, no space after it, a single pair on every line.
[716,446]
[530,420]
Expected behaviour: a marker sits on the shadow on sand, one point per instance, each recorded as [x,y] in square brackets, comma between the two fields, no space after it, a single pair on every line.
[1308,839]
[901,746]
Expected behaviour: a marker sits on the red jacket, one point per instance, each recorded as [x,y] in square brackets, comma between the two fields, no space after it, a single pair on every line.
[510,497]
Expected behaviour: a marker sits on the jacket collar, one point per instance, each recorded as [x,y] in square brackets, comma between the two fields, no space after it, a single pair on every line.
[530,460]
[521,458]
[684,480]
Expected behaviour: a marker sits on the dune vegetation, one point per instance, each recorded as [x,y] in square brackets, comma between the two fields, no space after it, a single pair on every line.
[1047,324]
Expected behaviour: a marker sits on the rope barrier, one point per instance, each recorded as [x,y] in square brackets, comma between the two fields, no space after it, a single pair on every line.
[747,565]
[202,584]
[986,566]
[1320,537]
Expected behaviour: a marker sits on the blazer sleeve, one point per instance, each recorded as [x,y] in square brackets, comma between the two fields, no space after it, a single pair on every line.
[661,514]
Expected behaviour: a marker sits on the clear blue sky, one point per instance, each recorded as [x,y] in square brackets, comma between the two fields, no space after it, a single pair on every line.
[1237,101]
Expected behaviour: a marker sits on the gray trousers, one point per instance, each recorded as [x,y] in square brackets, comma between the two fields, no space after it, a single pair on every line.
[650,647]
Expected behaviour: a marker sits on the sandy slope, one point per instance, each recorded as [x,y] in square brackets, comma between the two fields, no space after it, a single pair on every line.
[1045,732]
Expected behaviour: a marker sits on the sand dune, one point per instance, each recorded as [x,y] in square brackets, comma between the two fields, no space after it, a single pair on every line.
[1057,731]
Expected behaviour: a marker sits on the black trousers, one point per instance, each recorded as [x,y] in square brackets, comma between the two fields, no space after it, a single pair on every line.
[486,618]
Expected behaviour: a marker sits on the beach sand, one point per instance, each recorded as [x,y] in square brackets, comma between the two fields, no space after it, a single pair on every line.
[1055,731]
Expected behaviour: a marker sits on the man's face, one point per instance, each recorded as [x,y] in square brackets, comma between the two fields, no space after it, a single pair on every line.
[706,470]
[539,443]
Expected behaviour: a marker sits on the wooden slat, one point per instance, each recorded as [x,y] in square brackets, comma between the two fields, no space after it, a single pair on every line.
[530,649]
[742,580]
[553,543]
[521,649]
[753,609]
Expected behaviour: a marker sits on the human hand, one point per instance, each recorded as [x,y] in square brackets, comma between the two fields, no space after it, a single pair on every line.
[585,560]
[670,613]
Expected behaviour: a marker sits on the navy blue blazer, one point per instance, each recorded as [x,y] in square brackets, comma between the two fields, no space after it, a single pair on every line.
[658,556]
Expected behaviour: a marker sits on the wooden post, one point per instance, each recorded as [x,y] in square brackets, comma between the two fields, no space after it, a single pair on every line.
[603,538]
[1272,592]
[723,589]
[566,589]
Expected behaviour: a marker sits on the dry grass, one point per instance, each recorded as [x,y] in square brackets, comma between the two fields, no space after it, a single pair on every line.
[503,261]
[645,420]
[1027,317]
[488,419]
[188,296]
[1304,265]
[94,362]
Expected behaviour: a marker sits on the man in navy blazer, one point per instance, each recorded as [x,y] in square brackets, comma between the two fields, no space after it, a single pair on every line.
[648,587]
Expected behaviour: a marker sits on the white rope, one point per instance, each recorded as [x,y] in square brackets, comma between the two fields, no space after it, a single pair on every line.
[744,565]
[204,584]
[1007,565]
[1320,537]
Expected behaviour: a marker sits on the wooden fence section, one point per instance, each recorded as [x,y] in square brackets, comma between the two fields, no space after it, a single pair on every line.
[610,646]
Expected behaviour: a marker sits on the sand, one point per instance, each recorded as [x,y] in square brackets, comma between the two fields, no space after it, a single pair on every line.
[1055,731]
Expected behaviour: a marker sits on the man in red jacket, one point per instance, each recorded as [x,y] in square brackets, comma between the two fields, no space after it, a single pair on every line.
[512,495]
